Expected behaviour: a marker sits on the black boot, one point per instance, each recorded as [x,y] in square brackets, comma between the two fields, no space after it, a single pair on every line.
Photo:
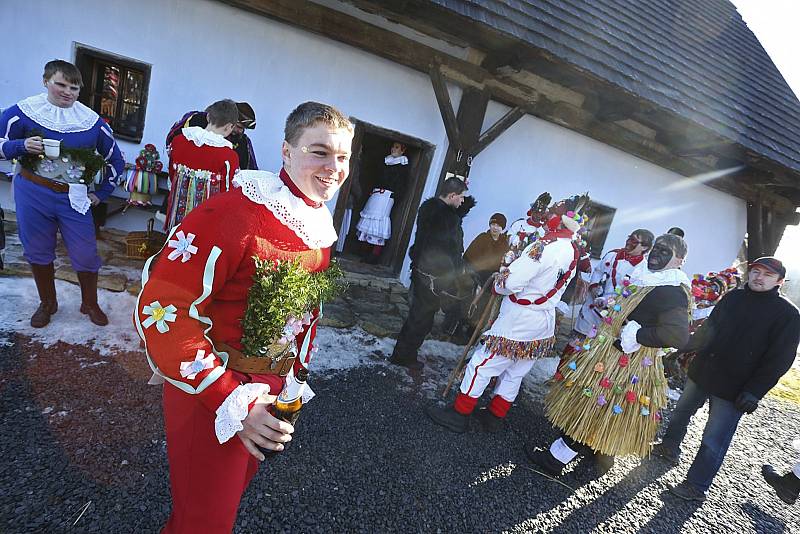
[489,421]
[448,418]
[544,460]
[44,276]
[786,486]
[89,306]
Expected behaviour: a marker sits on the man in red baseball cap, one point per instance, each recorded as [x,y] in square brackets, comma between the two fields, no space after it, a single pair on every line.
[744,347]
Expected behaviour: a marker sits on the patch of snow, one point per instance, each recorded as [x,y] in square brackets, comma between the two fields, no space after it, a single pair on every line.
[69,325]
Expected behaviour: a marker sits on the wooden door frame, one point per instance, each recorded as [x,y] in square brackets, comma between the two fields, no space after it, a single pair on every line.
[419,172]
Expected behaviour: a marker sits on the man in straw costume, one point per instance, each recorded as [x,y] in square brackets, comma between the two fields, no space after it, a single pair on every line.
[607,397]
[525,327]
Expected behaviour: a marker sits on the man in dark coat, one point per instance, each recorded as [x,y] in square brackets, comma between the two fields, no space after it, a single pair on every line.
[435,268]
[748,342]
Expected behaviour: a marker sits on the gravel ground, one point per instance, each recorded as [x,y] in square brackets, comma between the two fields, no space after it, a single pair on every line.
[83,450]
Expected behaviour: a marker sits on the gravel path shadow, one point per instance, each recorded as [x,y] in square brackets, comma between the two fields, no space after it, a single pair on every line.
[83,450]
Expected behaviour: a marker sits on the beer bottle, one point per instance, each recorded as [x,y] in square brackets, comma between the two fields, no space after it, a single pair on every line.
[287,405]
[290,400]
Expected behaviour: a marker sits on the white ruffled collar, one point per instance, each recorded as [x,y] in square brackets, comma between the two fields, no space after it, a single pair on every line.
[200,136]
[392,160]
[642,276]
[313,225]
[76,118]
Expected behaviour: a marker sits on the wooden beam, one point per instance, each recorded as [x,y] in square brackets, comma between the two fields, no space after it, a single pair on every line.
[445,107]
[496,129]
[471,114]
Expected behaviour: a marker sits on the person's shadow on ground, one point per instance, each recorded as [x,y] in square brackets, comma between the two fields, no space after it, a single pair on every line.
[762,521]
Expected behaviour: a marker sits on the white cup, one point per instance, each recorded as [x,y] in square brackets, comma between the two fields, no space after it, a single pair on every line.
[52,148]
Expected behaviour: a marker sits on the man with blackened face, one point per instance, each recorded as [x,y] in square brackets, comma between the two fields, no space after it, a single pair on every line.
[607,397]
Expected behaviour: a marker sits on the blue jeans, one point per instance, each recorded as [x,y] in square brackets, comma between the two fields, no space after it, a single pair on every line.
[723,418]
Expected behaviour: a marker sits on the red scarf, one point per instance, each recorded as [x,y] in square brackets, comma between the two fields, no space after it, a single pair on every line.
[622,254]
[287,181]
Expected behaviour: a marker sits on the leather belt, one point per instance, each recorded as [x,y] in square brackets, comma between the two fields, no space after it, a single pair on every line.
[52,185]
[237,361]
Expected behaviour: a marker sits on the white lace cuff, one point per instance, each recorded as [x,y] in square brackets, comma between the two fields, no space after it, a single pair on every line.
[234,409]
[628,337]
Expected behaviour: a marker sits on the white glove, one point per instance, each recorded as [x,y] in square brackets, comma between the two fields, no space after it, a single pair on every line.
[627,337]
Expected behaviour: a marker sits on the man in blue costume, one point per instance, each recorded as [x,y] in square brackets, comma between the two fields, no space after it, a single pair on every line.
[53,192]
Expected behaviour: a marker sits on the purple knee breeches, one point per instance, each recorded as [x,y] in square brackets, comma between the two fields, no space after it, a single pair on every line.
[40,213]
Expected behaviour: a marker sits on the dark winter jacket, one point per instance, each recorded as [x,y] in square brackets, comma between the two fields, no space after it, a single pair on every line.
[747,343]
[664,316]
[394,179]
[438,242]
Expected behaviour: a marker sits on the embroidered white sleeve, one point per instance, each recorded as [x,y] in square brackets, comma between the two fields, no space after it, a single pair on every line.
[234,409]
[628,337]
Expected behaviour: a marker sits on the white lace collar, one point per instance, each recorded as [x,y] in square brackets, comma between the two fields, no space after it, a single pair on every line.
[200,136]
[76,118]
[644,277]
[313,225]
[399,160]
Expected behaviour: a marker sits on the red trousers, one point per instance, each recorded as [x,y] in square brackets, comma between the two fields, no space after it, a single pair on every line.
[206,479]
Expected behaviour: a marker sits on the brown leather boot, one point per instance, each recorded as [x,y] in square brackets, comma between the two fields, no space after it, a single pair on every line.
[44,276]
[88,282]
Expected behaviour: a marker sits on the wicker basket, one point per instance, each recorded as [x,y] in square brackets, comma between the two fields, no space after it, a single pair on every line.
[144,244]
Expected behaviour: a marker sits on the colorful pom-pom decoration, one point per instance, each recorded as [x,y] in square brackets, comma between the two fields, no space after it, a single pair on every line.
[617,409]
[608,320]
[626,282]
[593,332]
[645,411]
[599,367]
[569,383]
[644,400]
[647,362]
[572,365]
[624,360]
[601,338]
[605,383]
[617,390]
[587,392]
[631,397]
[558,376]
[587,347]
[617,307]
[601,400]
[635,379]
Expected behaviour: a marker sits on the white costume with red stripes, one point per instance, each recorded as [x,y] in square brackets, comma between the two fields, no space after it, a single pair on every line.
[525,327]
[607,275]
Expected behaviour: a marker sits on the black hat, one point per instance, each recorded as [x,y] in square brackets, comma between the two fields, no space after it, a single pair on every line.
[772,263]
[498,218]
[247,116]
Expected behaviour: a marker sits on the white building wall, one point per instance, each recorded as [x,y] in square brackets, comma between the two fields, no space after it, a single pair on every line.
[203,50]
[535,156]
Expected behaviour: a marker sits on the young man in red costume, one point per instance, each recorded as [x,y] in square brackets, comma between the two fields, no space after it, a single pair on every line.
[190,309]
[201,162]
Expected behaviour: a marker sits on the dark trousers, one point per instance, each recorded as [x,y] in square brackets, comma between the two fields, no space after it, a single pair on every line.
[423,306]
[723,418]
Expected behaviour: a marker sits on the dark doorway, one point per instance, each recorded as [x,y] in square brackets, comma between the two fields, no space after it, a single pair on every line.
[371,145]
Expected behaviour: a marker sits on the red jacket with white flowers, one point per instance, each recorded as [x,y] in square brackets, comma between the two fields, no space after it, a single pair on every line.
[197,290]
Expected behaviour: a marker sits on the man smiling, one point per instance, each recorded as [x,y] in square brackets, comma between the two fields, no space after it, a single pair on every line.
[190,312]
[748,342]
